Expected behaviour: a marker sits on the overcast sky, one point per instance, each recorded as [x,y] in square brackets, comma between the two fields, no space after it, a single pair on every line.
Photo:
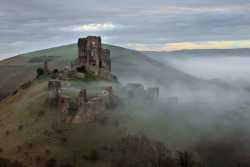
[28,25]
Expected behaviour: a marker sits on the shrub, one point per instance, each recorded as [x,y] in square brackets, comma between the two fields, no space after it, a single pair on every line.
[64,139]
[92,156]
[51,162]
[68,165]
[55,71]
[38,158]
[39,72]
[81,69]
[8,163]
[7,132]
[20,127]
[47,152]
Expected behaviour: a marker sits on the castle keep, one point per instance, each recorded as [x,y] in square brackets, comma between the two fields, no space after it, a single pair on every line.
[93,57]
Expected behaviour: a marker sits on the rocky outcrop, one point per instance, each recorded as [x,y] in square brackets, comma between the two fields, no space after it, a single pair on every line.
[92,56]
[90,105]
[80,75]
[63,103]
[54,89]
[26,85]
[136,90]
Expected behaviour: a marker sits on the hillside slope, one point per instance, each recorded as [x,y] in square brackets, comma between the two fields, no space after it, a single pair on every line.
[127,64]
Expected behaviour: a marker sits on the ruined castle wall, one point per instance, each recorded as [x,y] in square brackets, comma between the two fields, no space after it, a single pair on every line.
[93,57]
[105,59]
[88,108]
[63,103]
[107,75]
[152,95]
[46,70]
[54,88]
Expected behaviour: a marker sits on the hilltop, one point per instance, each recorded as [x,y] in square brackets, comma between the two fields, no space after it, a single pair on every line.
[129,65]
[72,121]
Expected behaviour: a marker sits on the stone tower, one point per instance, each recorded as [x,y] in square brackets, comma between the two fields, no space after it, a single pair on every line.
[54,88]
[46,70]
[93,57]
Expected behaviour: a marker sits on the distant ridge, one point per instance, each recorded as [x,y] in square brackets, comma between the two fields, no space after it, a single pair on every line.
[201,52]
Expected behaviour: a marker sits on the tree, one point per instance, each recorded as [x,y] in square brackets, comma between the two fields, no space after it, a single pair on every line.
[183,158]
[157,153]
[135,149]
[55,71]
[39,72]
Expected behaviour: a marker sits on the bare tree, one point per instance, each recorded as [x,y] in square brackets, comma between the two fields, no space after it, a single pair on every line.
[183,158]
[157,153]
[135,149]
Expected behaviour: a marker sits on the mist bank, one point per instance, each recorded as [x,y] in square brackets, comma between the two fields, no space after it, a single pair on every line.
[228,65]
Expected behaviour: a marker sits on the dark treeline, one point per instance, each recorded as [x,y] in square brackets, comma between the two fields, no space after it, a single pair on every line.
[139,151]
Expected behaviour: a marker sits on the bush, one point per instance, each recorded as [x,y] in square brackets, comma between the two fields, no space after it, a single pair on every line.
[7,163]
[81,69]
[20,127]
[51,162]
[92,156]
[68,165]
[39,72]
[64,139]
[55,71]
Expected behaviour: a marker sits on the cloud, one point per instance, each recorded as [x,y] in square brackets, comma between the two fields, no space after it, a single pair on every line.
[90,27]
[196,45]
[122,22]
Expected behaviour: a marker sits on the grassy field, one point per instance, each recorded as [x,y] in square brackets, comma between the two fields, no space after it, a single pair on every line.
[127,65]
[31,129]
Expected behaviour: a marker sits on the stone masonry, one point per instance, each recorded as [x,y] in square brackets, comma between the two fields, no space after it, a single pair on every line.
[63,103]
[46,70]
[89,106]
[54,88]
[94,58]
[136,90]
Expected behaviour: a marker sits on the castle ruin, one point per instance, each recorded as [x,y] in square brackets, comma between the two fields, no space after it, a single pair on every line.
[88,105]
[94,57]
[54,89]
[46,70]
[136,90]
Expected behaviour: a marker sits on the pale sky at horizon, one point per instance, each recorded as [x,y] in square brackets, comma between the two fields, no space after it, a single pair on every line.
[159,25]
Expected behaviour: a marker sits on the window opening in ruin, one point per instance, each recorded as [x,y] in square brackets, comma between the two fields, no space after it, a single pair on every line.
[93,49]
[100,63]
[93,63]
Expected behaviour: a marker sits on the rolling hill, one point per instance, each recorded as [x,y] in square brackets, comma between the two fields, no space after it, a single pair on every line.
[127,64]
[37,134]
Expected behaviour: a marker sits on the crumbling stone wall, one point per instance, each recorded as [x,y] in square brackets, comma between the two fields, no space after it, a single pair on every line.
[89,106]
[172,104]
[93,57]
[54,88]
[151,95]
[46,70]
[63,103]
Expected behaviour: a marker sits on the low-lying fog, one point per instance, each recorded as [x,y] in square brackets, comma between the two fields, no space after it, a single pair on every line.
[213,112]
[234,70]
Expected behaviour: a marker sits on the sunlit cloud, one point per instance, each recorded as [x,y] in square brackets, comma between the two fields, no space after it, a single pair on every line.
[89,27]
[195,45]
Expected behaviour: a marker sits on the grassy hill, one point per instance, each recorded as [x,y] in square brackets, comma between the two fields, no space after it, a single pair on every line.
[127,64]
[37,134]
[34,132]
